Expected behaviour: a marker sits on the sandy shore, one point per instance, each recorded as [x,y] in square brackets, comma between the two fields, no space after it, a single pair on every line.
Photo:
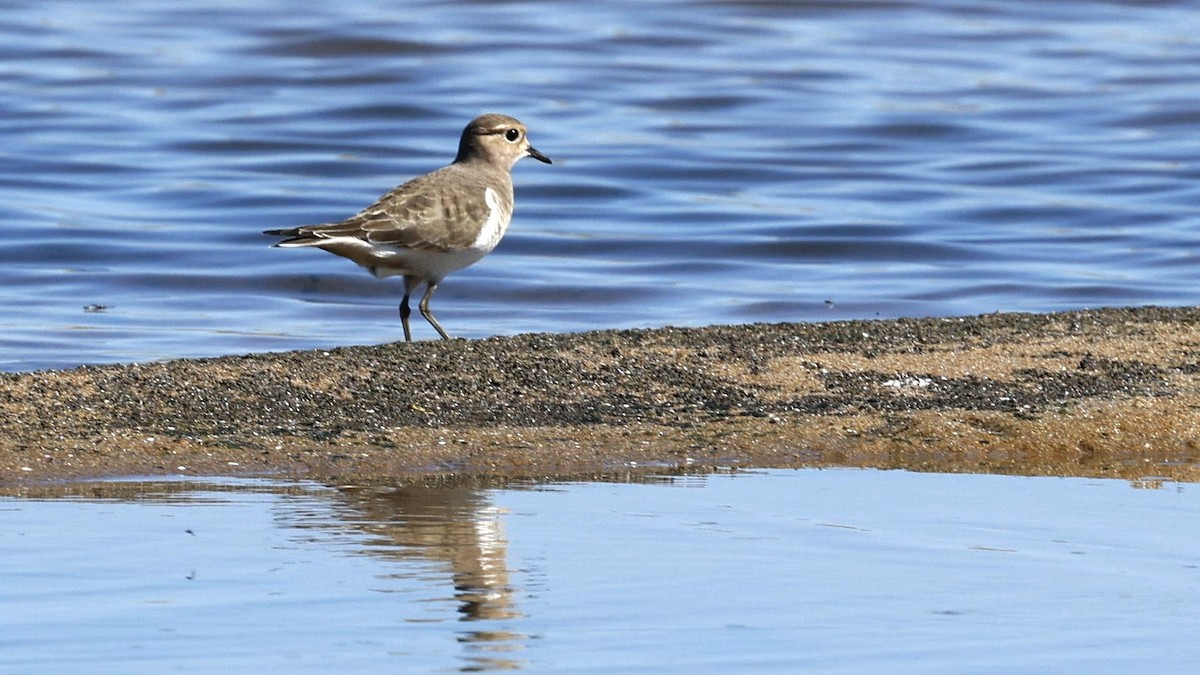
[1094,393]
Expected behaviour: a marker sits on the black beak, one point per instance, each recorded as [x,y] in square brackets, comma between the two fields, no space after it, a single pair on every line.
[533,152]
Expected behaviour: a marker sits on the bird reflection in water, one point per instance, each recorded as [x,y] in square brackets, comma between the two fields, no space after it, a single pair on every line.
[459,527]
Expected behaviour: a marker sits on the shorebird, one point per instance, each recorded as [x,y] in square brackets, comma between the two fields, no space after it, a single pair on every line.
[434,224]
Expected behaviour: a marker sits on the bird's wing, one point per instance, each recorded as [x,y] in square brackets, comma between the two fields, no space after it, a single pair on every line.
[423,214]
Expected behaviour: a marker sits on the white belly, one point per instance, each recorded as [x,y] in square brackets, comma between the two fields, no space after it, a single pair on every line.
[392,261]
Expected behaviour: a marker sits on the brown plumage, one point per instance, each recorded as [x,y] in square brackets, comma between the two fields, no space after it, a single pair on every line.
[433,224]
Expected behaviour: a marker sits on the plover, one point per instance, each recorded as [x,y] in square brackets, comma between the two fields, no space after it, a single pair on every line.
[433,224]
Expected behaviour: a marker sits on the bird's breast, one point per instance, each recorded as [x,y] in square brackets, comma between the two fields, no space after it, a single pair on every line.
[495,225]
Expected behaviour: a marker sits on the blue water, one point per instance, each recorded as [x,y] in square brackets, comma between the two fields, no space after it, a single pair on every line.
[829,571]
[715,162]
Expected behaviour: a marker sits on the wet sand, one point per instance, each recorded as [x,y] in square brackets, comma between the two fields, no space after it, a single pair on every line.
[1110,393]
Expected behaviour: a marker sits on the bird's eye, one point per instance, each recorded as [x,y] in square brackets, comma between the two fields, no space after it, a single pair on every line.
[513,135]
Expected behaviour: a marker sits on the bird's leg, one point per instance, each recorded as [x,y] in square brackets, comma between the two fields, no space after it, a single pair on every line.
[429,289]
[404,312]
[410,285]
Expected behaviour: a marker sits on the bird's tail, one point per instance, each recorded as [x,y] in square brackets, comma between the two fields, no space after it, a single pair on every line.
[296,236]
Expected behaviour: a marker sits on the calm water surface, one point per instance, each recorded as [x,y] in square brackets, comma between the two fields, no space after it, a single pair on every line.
[715,162]
[835,571]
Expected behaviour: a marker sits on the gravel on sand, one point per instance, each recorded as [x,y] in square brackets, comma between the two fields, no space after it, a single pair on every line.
[1113,392]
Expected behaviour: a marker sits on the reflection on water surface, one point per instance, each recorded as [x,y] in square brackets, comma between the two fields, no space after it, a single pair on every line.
[835,570]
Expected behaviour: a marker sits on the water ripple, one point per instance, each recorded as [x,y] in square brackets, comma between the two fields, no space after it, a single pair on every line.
[714,162]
